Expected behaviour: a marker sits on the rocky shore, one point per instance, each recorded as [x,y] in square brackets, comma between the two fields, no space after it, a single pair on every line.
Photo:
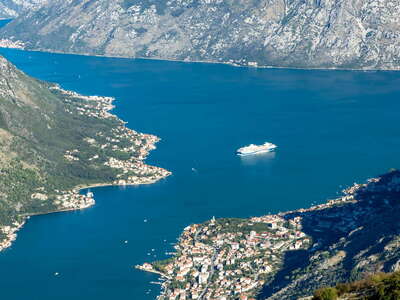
[131,147]
[247,258]
[10,233]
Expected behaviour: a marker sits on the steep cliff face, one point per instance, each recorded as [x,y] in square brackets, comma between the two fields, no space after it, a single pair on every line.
[287,33]
[12,8]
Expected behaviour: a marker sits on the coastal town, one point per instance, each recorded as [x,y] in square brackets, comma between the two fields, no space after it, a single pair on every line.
[225,258]
[234,258]
[7,43]
[73,200]
[123,142]
[272,115]
[119,149]
[9,233]
[65,201]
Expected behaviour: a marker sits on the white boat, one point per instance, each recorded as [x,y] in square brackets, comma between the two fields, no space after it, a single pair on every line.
[256,149]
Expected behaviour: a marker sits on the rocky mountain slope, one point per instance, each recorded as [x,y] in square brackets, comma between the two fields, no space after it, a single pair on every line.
[286,33]
[351,240]
[381,286]
[289,255]
[52,142]
[12,8]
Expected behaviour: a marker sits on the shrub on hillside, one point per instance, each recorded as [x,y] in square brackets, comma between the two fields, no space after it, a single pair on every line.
[326,294]
[380,286]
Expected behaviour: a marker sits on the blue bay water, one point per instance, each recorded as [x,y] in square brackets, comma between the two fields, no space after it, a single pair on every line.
[332,128]
[4,22]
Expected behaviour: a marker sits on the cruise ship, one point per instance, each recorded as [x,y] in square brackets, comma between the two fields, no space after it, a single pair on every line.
[256,149]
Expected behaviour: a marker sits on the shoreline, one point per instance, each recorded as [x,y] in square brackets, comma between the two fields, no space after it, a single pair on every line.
[144,269]
[84,187]
[232,64]
[211,247]
[83,202]
[96,185]
[7,242]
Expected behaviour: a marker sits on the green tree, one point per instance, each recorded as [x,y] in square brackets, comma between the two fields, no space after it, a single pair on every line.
[326,294]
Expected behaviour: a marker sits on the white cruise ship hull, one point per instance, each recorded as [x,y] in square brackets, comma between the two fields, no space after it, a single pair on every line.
[255,152]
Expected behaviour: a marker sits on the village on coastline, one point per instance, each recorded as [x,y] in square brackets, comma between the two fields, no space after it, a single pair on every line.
[132,171]
[132,146]
[234,258]
[6,43]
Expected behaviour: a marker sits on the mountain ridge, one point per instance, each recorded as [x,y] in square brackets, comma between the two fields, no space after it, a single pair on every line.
[12,8]
[360,34]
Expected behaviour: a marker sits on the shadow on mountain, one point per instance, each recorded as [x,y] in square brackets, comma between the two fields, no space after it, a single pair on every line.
[350,239]
[292,260]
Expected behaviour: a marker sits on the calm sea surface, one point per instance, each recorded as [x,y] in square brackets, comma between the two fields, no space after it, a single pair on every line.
[332,128]
[4,22]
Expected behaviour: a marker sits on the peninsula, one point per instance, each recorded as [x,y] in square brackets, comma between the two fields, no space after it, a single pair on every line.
[55,142]
[288,255]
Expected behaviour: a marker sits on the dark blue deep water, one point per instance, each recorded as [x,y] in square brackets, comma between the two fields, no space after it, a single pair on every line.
[332,128]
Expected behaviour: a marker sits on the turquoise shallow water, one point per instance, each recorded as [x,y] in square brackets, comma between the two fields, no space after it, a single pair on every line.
[332,128]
